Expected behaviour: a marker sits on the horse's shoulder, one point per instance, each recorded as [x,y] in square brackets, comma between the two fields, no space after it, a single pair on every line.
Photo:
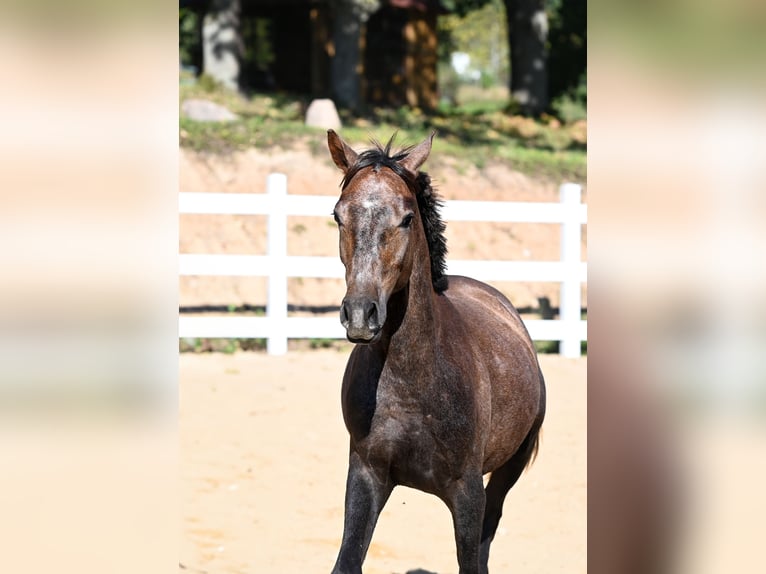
[470,294]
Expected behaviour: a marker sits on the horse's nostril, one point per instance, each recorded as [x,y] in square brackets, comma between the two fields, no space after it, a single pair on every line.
[371,314]
[343,313]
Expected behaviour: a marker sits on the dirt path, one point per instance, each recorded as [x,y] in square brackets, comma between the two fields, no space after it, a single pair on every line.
[264,451]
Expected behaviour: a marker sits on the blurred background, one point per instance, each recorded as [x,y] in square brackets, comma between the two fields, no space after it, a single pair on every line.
[415,53]
[502,83]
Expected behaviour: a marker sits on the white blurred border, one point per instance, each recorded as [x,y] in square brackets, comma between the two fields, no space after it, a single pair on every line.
[677,317]
[88,304]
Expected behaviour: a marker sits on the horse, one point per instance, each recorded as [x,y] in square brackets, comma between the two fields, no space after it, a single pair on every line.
[443,384]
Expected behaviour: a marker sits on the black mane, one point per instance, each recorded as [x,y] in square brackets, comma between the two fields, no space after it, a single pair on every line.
[429,202]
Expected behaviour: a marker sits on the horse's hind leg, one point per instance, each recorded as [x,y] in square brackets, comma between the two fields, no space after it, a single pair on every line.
[366,493]
[500,482]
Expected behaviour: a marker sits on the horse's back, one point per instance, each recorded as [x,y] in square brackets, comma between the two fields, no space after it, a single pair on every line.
[501,343]
[475,300]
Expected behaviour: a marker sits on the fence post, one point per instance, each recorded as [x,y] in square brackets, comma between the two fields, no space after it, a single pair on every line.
[570,302]
[276,306]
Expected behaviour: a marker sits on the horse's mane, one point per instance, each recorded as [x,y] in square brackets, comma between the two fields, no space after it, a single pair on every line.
[429,202]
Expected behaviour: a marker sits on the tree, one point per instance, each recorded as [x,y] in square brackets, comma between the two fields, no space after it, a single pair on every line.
[527,36]
[349,17]
[222,42]
[527,39]
[482,33]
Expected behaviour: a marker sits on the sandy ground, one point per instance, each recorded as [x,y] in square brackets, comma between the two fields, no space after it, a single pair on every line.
[264,452]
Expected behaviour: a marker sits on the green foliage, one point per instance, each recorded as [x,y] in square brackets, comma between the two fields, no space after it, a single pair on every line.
[186,77]
[449,83]
[476,132]
[258,42]
[567,46]
[487,80]
[462,7]
[552,347]
[217,345]
[481,33]
[483,135]
[264,120]
[547,347]
[321,343]
[252,344]
[188,36]
[479,28]
[208,84]
[571,105]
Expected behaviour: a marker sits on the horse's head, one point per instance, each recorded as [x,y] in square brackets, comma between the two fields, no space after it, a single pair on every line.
[378,221]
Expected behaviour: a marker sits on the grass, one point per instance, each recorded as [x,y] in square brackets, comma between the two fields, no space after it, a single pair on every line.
[477,132]
[219,345]
[264,121]
[321,343]
[552,347]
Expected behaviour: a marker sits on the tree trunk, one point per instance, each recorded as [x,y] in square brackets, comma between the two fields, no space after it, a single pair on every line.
[222,42]
[344,67]
[527,35]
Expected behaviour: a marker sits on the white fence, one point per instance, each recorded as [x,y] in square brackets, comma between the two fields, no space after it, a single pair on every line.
[277,327]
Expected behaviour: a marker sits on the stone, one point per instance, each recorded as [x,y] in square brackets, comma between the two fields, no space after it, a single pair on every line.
[206,111]
[322,113]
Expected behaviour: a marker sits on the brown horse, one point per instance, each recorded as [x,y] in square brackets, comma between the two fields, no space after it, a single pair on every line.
[443,385]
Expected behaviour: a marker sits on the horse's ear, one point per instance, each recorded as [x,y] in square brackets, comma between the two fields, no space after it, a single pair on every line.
[343,156]
[418,155]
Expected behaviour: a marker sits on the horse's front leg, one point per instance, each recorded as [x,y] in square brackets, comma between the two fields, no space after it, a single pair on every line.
[366,493]
[466,499]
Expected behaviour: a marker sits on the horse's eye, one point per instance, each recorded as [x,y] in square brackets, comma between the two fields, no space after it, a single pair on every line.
[406,221]
[336,218]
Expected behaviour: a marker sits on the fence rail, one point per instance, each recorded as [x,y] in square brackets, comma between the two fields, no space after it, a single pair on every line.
[277,327]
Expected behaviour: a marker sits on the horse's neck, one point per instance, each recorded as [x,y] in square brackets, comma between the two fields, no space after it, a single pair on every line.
[412,312]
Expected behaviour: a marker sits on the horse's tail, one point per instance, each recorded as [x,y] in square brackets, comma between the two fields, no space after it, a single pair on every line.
[532,441]
[532,444]
[534,447]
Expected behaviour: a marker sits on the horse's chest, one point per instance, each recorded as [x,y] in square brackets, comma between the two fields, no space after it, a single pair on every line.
[416,445]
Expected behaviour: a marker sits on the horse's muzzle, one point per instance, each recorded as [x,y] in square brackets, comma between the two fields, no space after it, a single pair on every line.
[362,319]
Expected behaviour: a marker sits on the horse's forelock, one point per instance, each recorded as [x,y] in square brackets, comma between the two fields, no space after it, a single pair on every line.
[379,157]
